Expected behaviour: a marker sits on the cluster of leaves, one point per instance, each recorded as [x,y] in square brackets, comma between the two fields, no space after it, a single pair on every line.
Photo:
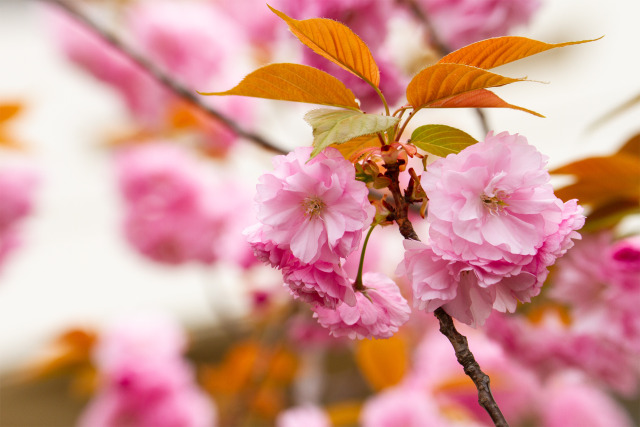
[461,79]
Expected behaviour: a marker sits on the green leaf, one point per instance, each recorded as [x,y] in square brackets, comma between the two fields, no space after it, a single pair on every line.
[441,140]
[337,126]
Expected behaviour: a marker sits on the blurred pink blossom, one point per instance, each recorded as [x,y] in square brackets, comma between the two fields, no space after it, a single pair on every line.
[462,22]
[192,40]
[571,403]
[144,381]
[402,406]
[307,416]
[379,311]
[176,212]
[18,184]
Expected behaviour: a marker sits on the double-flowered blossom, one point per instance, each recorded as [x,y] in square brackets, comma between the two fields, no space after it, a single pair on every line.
[495,227]
[311,213]
[379,311]
[315,208]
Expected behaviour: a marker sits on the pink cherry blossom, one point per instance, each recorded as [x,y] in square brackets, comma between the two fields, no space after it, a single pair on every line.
[315,208]
[379,311]
[321,282]
[461,22]
[307,415]
[144,381]
[495,226]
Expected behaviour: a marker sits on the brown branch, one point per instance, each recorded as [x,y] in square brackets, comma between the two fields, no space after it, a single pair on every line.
[161,77]
[401,214]
[471,367]
[447,328]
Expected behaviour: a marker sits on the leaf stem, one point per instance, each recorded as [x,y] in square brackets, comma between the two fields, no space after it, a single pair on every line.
[357,284]
[384,101]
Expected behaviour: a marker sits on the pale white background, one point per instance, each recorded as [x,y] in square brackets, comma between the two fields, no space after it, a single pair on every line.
[76,269]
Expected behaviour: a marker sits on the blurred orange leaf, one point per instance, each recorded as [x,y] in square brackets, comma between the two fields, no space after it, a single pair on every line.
[600,180]
[70,351]
[479,98]
[344,413]
[9,111]
[383,363]
[632,146]
[336,42]
[293,82]
[441,81]
[498,51]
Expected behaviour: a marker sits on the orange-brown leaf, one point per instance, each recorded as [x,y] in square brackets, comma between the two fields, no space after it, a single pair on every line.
[382,362]
[294,82]
[441,81]
[337,43]
[479,98]
[498,51]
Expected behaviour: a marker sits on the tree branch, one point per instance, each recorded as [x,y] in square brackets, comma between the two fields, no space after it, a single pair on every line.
[447,328]
[471,367]
[164,79]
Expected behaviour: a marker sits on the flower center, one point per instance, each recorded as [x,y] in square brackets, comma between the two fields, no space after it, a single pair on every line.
[495,201]
[313,206]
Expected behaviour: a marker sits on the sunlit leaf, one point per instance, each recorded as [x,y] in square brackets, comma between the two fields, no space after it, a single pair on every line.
[294,82]
[337,43]
[498,51]
[356,148]
[441,81]
[383,363]
[600,180]
[441,140]
[336,126]
[479,98]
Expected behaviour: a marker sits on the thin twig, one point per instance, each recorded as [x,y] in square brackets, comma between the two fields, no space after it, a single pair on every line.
[162,78]
[447,328]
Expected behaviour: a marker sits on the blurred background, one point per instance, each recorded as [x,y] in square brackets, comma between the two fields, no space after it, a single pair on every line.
[80,126]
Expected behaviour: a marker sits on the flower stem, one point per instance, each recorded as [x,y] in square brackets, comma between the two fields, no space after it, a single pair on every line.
[357,284]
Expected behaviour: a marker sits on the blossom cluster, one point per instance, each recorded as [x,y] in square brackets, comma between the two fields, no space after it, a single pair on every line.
[144,380]
[495,227]
[311,216]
